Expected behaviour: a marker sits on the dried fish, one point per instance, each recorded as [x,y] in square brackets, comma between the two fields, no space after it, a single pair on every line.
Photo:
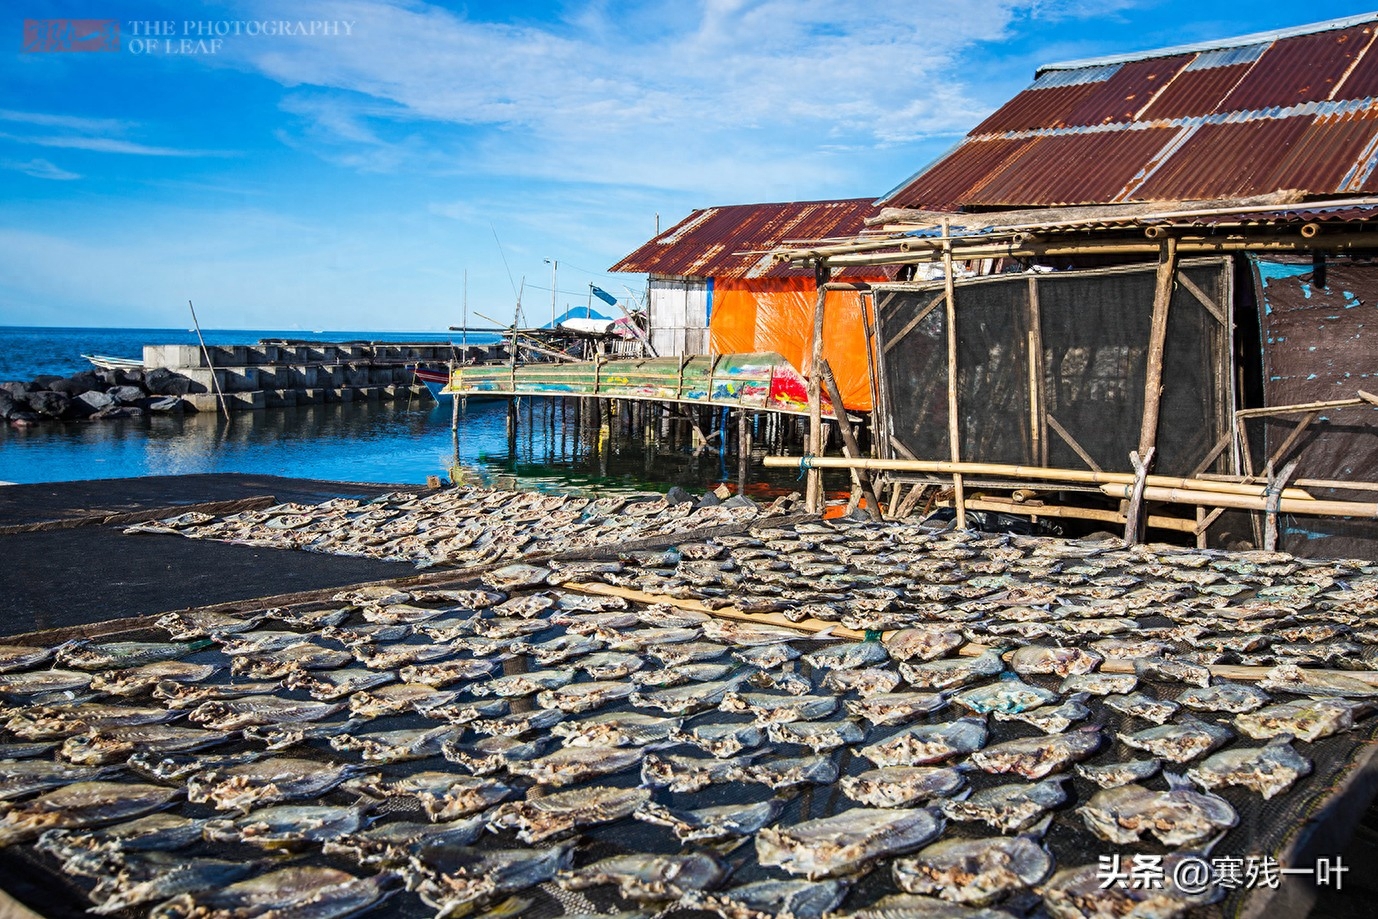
[466,712]
[649,877]
[837,845]
[444,673]
[390,656]
[397,746]
[976,872]
[107,745]
[570,765]
[687,773]
[329,685]
[494,753]
[819,736]
[1224,697]
[584,697]
[179,695]
[928,743]
[156,832]
[1100,684]
[867,681]
[788,772]
[233,714]
[1142,705]
[516,577]
[1304,719]
[1036,659]
[155,876]
[1180,742]
[55,680]
[82,804]
[448,876]
[1113,775]
[921,643]
[772,899]
[176,767]
[391,844]
[1172,671]
[516,724]
[121,654]
[1177,817]
[1009,694]
[303,892]
[721,740]
[443,796]
[28,776]
[610,665]
[619,729]
[688,700]
[951,673]
[1052,719]
[902,786]
[1036,757]
[848,656]
[524,684]
[47,722]
[287,826]
[266,782]
[712,823]
[283,736]
[1009,808]
[135,680]
[201,623]
[892,708]
[550,815]
[1299,680]
[767,656]
[1268,770]
[749,634]
[771,709]
[1081,893]
[397,698]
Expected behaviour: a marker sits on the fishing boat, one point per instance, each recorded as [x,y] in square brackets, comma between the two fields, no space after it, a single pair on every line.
[435,380]
[106,362]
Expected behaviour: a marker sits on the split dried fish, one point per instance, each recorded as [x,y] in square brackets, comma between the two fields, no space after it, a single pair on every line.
[772,899]
[848,656]
[1172,671]
[233,714]
[687,773]
[550,815]
[449,877]
[515,724]
[584,697]
[135,680]
[445,673]
[681,674]
[610,665]
[466,712]
[1180,742]
[771,709]
[276,664]
[1177,817]
[397,698]
[287,826]
[1036,659]
[1142,705]
[108,745]
[570,765]
[1008,694]
[199,624]
[721,740]
[1100,684]
[37,681]
[867,681]
[928,743]
[902,786]
[688,700]
[1052,719]
[28,776]
[837,845]
[712,823]
[524,684]
[281,737]
[1081,893]
[619,729]
[1299,680]
[1224,697]
[266,782]
[1305,719]
[121,654]
[951,673]
[1113,775]
[390,845]
[1008,808]
[175,767]
[767,657]
[82,804]
[180,696]
[1036,757]
[923,644]
[443,796]
[818,736]
[492,754]
[649,877]
[1268,770]
[155,876]
[892,708]
[47,722]
[397,746]
[303,892]
[787,772]
[390,656]
[329,685]
[975,872]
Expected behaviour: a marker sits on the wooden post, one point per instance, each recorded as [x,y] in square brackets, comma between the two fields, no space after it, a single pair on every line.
[953,428]
[813,492]
[743,449]
[1134,523]
[1276,483]
[861,477]
[1157,340]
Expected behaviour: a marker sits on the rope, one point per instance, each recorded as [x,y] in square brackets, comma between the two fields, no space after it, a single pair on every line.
[805,464]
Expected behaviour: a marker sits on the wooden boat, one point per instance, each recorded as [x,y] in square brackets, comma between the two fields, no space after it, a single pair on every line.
[106,362]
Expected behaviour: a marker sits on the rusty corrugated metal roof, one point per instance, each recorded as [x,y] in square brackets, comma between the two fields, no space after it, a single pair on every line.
[735,241]
[1235,118]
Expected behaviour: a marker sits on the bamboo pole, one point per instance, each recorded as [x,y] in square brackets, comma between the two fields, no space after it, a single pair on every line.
[813,491]
[1157,343]
[1312,508]
[1045,473]
[1101,515]
[953,425]
[849,444]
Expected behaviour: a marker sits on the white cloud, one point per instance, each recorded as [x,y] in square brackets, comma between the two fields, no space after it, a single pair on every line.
[39,169]
[722,96]
[100,135]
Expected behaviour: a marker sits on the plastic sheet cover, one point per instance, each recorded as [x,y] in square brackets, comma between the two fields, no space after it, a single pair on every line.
[777,315]
[1320,335]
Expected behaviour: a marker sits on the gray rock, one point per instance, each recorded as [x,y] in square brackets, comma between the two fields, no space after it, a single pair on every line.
[46,380]
[126,395]
[677,495]
[709,500]
[739,501]
[119,411]
[163,404]
[77,384]
[18,388]
[95,400]
[7,404]
[23,419]
[163,382]
[50,404]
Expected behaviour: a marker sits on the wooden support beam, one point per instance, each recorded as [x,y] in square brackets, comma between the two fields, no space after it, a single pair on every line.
[813,490]
[1134,516]
[861,477]
[1274,495]
[1157,342]
[954,433]
[1071,441]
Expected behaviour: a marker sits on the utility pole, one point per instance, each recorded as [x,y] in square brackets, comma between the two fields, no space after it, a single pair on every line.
[554,272]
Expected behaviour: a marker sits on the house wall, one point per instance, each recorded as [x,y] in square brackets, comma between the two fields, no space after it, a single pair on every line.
[679,312]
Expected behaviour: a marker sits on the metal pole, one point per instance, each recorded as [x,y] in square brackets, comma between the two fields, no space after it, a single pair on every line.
[206,352]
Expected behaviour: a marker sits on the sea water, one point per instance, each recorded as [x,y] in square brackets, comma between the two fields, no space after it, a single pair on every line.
[400,442]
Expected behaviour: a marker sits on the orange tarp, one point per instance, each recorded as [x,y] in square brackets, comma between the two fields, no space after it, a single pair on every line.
[777,315]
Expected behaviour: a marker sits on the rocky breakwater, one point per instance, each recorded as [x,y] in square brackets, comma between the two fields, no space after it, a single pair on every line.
[96,395]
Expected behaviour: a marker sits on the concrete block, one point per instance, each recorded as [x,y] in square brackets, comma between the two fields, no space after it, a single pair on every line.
[280,398]
[355,375]
[337,394]
[369,393]
[202,401]
[174,357]
[310,396]
[246,401]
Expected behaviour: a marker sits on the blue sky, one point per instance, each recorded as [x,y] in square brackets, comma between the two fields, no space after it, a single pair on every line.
[348,181]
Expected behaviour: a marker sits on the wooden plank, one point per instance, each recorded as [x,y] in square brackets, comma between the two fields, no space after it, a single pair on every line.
[1072,442]
[1205,301]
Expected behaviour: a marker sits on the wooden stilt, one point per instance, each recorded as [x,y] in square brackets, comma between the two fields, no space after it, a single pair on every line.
[953,425]
[1157,342]
[1134,516]
[1276,483]
[860,477]
[813,492]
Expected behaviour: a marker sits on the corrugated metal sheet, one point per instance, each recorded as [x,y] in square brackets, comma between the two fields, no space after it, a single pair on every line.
[1297,110]
[1198,169]
[1128,91]
[734,242]
[1038,108]
[1302,69]
[1094,167]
